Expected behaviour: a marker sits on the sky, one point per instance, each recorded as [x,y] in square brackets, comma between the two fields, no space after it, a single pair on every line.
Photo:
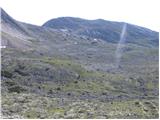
[140,12]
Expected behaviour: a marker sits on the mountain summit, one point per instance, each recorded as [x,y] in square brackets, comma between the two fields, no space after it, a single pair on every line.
[105,30]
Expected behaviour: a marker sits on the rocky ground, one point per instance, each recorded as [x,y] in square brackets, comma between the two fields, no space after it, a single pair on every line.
[52,87]
[32,106]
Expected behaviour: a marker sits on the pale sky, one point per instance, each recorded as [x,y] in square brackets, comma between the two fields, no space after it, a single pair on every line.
[140,12]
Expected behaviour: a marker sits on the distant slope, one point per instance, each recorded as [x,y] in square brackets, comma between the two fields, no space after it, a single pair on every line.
[23,36]
[105,30]
[11,23]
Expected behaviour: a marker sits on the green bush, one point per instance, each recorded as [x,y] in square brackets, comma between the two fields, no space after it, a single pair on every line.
[7,74]
[16,88]
[10,83]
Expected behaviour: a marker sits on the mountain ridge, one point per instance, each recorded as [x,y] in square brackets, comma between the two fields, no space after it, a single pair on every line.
[98,29]
[103,29]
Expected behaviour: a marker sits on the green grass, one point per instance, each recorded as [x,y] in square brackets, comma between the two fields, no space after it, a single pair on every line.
[31,113]
[78,87]
[53,110]
[66,64]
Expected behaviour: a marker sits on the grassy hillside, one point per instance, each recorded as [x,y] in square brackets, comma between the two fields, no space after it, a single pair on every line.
[52,73]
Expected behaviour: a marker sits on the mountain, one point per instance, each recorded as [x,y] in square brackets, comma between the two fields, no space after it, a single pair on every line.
[105,30]
[62,72]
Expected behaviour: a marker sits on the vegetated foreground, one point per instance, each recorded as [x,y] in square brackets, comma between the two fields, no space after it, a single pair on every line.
[51,73]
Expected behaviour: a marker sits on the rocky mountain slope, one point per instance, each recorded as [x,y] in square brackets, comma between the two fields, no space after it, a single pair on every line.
[105,30]
[59,71]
